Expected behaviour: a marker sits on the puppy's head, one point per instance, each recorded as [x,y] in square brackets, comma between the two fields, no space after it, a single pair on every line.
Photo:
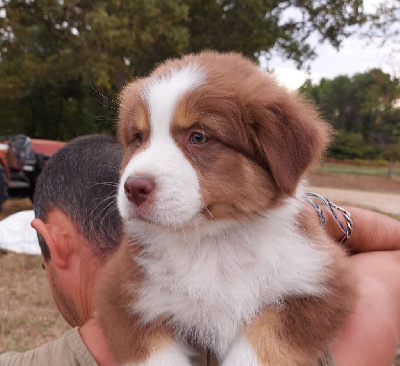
[211,136]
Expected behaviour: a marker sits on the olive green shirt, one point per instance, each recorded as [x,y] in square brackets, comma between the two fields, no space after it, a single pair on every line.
[69,350]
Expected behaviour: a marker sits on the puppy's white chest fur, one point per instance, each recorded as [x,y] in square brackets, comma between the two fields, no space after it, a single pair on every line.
[212,280]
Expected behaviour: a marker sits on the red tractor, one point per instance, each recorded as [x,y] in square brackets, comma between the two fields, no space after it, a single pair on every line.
[21,161]
[4,179]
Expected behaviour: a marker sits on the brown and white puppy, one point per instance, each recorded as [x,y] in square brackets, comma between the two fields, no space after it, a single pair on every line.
[218,247]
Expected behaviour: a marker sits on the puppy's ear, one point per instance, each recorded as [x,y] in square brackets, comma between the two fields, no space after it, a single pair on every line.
[289,136]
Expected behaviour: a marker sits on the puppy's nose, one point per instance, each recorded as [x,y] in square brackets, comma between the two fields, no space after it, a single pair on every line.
[138,189]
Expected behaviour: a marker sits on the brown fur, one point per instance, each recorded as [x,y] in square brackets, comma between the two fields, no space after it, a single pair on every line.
[243,99]
[301,328]
[128,339]
[262,140]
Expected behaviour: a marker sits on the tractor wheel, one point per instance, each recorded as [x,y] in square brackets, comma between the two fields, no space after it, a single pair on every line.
[3,186]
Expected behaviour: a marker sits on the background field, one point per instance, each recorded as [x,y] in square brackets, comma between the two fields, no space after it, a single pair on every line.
[355,171]
[28,315]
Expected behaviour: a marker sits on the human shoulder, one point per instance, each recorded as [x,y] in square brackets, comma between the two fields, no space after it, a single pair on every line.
[68,350]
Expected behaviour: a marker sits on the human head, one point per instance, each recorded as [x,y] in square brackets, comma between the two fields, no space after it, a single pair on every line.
[81,181]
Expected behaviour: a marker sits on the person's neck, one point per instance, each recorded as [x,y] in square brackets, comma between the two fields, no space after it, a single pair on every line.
[93,337]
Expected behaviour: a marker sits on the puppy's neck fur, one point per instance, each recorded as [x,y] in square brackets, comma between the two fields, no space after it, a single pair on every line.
[185,270]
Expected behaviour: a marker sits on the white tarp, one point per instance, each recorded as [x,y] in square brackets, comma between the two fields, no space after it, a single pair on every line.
[17,235]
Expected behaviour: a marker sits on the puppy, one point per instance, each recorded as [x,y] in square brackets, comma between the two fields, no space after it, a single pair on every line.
[219,248]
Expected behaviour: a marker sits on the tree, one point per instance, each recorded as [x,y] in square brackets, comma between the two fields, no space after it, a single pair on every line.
[53,52]
[256,27]
[349,145]
[62,62]
[383,27]
[392,154]
[364,106]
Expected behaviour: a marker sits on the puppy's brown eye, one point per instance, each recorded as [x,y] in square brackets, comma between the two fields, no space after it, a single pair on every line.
[198,138]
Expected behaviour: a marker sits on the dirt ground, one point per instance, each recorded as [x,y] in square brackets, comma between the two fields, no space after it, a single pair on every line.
[28,315]
[388,203]
[374,193]
[355,182]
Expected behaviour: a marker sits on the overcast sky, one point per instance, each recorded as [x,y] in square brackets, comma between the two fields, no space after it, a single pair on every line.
[354,56]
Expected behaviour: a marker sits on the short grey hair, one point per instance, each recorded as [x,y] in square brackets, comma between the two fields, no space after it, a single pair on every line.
[81,180]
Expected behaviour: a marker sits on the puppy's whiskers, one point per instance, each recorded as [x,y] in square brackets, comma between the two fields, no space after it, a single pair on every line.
[215,121]
[120,105]
[108,209]
[209,115]
[107,98]
[111,167]
[110,184]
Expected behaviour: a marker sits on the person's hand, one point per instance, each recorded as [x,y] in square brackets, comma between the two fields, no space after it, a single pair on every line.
[370,336]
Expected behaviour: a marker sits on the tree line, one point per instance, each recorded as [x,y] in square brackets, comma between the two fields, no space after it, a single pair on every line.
[62,62]
[364,109]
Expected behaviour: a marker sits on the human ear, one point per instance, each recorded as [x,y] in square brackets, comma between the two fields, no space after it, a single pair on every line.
[55,236]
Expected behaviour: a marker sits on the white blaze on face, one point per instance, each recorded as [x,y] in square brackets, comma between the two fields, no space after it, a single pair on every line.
[176,197]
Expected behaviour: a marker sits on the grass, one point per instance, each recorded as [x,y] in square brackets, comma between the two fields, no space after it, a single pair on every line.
[376,168]
[340,177]
[329,168]
[28,314]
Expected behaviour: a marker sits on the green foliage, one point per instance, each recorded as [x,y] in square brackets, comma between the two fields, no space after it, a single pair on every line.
[380,163]
[363,108]
[349,145]
[366,170]
[63,62]
[392,151]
